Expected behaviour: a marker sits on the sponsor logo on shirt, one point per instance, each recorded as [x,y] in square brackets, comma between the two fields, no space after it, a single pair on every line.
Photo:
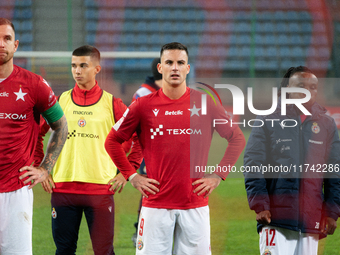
[81,135]
[317,225]
[179,112]
[4,94]
[12,116]
[82,113]
[174,131]
[285,148]
[156,131]
[155,111]
[315,142]
[189,131]
[283,140]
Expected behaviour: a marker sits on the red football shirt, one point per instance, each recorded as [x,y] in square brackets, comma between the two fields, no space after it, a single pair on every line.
[23,96]
[175,136]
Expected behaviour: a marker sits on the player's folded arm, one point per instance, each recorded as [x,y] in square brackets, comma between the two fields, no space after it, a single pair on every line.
[135,157]
[113,146]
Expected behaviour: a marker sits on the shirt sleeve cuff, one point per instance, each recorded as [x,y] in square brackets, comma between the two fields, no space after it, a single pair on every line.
[132,176]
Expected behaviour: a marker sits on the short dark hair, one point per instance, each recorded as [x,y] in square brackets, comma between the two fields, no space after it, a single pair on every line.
[4,21]
[87,50]
[290,72]
[156,75]
[174,46]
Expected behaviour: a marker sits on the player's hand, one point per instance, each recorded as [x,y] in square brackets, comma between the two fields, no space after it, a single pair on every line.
[208,183]
[48,185]
[328,226]
[117,183]
[264,217]
[35,174]
[144,184]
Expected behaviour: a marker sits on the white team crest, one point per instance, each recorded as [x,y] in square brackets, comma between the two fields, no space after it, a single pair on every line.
[194,111]
[20,95]
[155,111]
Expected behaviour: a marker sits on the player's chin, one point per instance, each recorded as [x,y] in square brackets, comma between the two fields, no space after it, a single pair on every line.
[176,83]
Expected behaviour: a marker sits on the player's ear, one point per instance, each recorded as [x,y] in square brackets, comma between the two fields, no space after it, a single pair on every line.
[188,68]
[159,67]
[16,45]
[97,69]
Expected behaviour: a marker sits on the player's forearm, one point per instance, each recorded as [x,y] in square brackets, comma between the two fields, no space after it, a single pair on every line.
[39,152]
[55,144]
[39,148]
[113,146]
[235,147]
[135,157]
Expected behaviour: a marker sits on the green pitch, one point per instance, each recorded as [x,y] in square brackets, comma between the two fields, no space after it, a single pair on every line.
[233,225]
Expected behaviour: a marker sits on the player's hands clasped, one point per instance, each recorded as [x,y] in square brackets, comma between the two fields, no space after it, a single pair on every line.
[144,184]
[264,217]
[328,226]
[48,185]
[208,183]
[35,174]
[117,183]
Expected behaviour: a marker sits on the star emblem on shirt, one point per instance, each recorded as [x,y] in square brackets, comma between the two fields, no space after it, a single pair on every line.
[20,95]
[194,111]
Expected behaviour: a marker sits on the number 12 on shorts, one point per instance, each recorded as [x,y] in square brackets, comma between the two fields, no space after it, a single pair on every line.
[270,235]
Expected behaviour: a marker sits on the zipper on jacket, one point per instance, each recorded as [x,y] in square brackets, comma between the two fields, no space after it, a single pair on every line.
[85,97]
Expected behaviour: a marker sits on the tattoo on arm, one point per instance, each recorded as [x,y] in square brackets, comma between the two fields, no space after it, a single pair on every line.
[55,144]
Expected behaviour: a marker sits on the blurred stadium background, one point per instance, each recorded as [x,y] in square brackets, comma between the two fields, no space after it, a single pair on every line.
[227,39]
[243,38]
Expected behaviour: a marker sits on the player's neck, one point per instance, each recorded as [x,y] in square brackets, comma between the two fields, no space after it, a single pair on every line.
[87,86]
[158,83]
[174,92]
[6,69]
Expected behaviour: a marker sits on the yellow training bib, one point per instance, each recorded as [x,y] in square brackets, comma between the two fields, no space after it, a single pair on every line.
[83,157]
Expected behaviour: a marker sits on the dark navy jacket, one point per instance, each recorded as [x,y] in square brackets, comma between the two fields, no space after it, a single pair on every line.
[301,196]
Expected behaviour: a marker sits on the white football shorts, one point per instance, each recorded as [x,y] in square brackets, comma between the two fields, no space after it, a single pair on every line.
[16,211]
[173,231]
[281,241]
